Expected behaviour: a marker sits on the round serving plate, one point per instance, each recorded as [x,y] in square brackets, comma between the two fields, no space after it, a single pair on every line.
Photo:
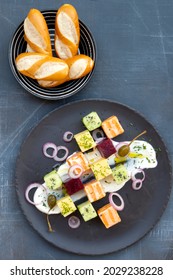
[142,208]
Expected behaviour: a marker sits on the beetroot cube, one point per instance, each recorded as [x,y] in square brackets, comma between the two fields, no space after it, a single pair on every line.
[106,148]
[73,185]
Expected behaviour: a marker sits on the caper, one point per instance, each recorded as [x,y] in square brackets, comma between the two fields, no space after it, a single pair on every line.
[51,200]
[124,151]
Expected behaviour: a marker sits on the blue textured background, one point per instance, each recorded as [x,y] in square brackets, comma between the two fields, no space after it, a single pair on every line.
[135,66]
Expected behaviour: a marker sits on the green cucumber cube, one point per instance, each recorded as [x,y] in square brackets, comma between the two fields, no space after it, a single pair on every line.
[120,174]
[92,121]
[87,210]
[52,180]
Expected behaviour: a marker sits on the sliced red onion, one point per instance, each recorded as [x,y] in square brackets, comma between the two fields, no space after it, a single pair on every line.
[117,207]
[100,140]
[30,187]
[137,171]
[137,184]
[47,146]
[73,174]
[74,222]
[57,158]
[68,136]
[97,132]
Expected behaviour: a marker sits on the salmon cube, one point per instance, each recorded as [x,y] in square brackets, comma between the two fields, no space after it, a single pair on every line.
[109,215]
[79,159]
[94,190]
[112,127]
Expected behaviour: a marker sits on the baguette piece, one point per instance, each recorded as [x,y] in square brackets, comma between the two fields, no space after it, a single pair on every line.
[37,33]
[25,63]
[67,31]
[79,66]
[49,84]
[39,66]
[50,69]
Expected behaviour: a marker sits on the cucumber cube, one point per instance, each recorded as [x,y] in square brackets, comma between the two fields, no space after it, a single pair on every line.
[120,174]
[52,180]
[87,211]
[92,121]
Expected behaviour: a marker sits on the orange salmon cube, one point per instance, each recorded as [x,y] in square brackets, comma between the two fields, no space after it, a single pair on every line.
[109,215]
[112,127]
[94,190]
[80,159]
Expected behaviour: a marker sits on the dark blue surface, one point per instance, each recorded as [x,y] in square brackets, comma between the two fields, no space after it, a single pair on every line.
[135,67]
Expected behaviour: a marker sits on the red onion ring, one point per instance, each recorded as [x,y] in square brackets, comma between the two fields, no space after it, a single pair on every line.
[74,222]
[137,171]
[137,184]
[30,187]
[100,140]
[68,136]
[61,158]
[72,173]
[98,131]
[47,146]
[117,207]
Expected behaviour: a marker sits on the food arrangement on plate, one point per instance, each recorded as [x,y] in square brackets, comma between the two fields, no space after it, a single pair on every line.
[38,61]
[101,166]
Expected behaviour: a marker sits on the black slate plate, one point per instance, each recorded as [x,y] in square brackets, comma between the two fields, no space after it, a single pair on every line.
[87,46]
[142,208]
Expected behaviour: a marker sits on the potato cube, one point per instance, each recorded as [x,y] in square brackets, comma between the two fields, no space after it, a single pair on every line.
[66,205]
[92,121]
[94,190]
[109,215]
[101,169]
[112,127]
[53,180]
[80,159]
[85,140]
[87,211]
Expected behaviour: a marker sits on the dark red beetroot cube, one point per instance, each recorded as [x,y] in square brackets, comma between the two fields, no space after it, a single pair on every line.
[73,186]
[106,148]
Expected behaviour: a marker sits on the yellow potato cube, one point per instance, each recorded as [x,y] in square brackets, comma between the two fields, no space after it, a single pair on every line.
[66,205]
[85,140]
[101,169]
